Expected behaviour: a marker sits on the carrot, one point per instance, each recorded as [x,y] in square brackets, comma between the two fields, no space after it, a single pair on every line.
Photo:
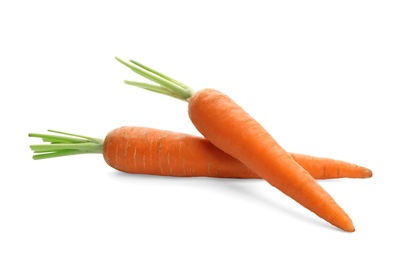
[326,168]
[159,152]
[230,128]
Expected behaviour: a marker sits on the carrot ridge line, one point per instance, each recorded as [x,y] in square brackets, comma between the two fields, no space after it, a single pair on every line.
[164,84]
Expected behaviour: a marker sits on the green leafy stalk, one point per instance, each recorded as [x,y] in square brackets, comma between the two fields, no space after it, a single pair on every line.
[165,84]
[154,88]
[64,144]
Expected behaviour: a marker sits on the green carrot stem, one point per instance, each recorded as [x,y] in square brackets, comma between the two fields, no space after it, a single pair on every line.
[166,85]
[64,144]
[160,74]
[57,154]
[72,146]
[154,88]
[88,138]
[54,138]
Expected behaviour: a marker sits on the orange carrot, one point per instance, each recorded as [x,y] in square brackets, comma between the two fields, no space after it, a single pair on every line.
[326,168]
[145,150]
[230,128]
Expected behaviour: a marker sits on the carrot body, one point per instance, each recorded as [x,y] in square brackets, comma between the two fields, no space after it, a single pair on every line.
[158,152]
[228,127]
[225,124]
[326,168]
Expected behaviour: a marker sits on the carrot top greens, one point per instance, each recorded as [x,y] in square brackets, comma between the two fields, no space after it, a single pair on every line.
[165,85]
[70,144]
[64,144]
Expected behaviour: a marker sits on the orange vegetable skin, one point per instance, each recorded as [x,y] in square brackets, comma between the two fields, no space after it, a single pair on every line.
[326,168]
[226,125]
[145,150]
[159,152]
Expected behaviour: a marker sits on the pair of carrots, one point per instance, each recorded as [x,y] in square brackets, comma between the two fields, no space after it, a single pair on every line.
[235,145]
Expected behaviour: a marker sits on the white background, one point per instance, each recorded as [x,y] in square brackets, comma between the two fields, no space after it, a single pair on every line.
[321,76]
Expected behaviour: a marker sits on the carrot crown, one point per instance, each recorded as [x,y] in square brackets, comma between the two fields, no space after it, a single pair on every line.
[164,84]
[64,144]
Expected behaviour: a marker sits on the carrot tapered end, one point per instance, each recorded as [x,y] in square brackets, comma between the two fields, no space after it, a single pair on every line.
[338,218]
[346,224]
[350,228]
[367,173]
